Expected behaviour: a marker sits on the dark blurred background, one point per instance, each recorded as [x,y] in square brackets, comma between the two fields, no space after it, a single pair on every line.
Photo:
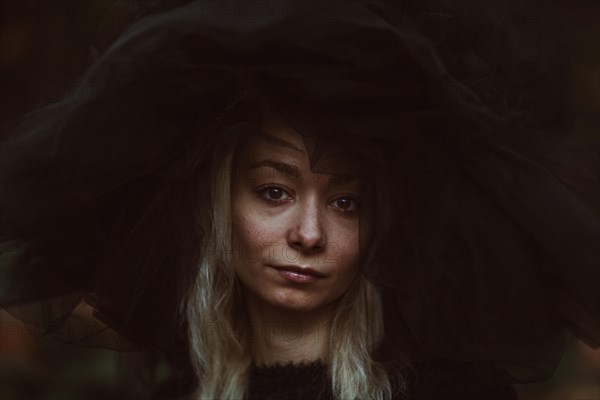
[45,46]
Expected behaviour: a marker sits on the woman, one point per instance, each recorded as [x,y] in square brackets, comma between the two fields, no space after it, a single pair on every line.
[386,172]
[282,283]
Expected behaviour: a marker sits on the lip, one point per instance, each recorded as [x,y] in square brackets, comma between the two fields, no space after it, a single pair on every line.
[298,274]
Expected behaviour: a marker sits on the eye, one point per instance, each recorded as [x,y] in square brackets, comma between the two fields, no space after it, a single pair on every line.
[346,204]
[274,193]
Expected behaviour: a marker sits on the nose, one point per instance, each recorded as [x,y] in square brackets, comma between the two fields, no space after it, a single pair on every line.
[307,233]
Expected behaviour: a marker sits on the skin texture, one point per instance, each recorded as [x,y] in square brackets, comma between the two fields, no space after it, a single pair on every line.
[292,216]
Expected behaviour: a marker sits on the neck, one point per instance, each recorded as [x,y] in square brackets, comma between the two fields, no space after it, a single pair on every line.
[281,335]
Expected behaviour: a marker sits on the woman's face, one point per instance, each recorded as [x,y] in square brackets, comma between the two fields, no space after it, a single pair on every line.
[288,219]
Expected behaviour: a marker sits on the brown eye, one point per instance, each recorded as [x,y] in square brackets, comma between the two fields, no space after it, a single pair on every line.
[345,204]
[275,193]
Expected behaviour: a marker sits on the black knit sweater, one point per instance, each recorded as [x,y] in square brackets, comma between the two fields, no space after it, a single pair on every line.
[437,380]
[431,380]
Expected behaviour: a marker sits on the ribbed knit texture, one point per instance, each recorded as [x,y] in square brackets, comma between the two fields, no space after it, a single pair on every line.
[432,380]
[290,381]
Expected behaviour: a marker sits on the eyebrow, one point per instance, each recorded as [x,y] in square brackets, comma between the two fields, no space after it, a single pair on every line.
[292,170]
[282,167]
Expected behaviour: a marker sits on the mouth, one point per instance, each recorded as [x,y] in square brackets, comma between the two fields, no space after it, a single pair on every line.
[299,274]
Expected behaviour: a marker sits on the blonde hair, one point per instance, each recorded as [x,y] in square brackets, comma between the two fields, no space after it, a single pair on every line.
[219,335]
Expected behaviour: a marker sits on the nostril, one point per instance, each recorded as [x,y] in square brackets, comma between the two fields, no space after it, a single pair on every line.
[307,233]
[308,247]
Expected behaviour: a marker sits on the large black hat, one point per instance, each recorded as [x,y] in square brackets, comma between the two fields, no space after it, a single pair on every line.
[490,244]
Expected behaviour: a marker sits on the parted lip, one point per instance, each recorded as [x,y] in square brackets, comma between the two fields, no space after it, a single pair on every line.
[301,270]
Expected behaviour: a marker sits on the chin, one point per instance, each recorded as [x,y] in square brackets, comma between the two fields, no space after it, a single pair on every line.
[290,300]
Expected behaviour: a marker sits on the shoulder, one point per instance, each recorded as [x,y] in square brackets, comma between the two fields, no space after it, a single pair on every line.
[449,380]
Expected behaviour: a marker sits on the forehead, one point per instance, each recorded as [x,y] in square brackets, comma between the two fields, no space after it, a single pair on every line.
[279,141]
[284,135]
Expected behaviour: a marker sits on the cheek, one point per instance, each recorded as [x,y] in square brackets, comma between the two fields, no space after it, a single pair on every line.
[253,236]
[245,251]
[243,231]
[345,254]
[249,228]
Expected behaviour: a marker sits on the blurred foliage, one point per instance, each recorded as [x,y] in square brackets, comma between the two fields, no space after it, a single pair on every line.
[43,368]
